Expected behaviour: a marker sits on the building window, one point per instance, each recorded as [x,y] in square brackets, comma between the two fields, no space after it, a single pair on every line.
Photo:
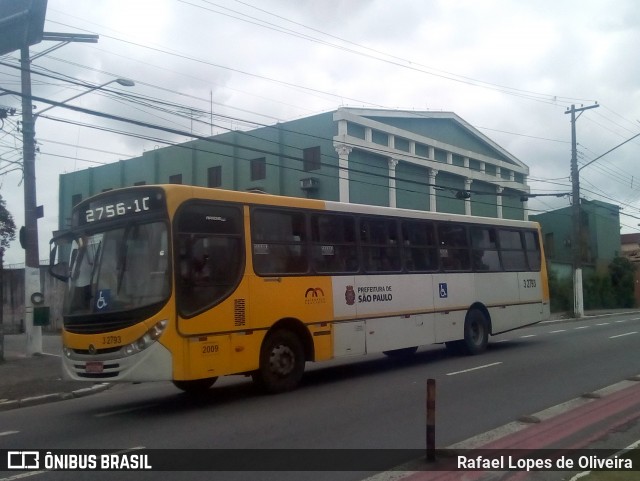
[76,199]
[175,179]
[214,176]
[311,158]
[258,169]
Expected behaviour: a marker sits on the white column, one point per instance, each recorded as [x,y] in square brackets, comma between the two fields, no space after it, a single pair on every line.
[392,182]
[467,202]
[343,171]
[432,190]
[499,191]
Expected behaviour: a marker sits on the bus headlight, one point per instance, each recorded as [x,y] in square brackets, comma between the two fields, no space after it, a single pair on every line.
[145,341]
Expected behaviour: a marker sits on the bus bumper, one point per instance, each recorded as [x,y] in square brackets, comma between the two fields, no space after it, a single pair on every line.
[152,364]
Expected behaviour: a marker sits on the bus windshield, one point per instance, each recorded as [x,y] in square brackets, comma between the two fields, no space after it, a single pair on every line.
[120,269]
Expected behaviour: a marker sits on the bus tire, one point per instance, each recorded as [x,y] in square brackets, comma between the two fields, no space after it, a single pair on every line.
[476,332]
[196,386]
[401,353]
[281,362]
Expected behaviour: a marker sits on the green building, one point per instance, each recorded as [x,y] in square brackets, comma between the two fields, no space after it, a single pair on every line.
[417,160]
[599,236]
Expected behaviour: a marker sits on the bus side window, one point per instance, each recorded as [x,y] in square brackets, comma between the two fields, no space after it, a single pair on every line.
[419,246]
[532,246]
[380,246]
[334,248]
[512,250]
[484,243]
[453,247]
[279,242]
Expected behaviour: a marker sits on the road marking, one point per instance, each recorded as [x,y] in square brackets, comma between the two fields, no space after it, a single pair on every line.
[8,433]
[23,475]
[501,340]
[623,320]
[603,324]
[50,354]
[473,369]
[123,411]
[528,335]
[559,330]
[622,335]
[581,327]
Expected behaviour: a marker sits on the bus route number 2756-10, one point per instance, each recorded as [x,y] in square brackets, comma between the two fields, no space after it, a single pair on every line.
[109,211]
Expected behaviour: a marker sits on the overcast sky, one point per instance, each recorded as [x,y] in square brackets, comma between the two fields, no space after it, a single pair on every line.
[510,69]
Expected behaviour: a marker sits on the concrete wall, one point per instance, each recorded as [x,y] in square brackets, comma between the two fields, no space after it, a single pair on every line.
[13,300]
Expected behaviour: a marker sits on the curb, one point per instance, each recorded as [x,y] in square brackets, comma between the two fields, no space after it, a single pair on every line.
[410,469]
[47,398]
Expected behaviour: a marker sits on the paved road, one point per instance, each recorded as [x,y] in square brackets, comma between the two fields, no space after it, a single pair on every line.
[374,403]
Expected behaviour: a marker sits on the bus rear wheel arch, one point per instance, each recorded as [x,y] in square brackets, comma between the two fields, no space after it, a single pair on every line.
[282,362]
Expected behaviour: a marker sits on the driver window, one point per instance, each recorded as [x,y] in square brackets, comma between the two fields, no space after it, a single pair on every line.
[209,256]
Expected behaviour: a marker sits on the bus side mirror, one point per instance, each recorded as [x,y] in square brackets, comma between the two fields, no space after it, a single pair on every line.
[59,270]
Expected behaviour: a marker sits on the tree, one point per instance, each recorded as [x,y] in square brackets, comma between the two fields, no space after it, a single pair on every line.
[622,272]
[7,234]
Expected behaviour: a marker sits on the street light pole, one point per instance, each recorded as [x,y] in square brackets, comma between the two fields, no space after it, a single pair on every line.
[32,281]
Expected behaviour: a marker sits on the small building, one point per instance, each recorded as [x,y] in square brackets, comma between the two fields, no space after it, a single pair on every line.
[419,160]
[599,242]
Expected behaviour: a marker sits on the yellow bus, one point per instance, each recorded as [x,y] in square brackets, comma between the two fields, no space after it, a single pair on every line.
[186,284]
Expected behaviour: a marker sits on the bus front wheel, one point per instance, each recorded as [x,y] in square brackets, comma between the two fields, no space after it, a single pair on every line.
[281,362]
[197,386]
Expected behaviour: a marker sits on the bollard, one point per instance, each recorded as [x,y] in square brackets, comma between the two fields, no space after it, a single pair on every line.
[431,420]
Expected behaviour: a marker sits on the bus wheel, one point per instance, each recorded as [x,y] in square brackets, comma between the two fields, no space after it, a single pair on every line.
[401,353]
[197,386]
[476,332]
[281,362]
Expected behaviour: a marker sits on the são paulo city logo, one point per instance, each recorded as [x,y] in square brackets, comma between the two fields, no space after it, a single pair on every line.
[368,294]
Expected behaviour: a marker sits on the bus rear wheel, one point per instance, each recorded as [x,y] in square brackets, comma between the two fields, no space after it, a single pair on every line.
[196,386]
[281,362]
[476,334]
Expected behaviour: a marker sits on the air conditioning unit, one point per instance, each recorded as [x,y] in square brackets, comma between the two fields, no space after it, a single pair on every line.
[310,183]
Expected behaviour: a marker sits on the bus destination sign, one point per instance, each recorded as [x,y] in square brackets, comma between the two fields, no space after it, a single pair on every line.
[119,205]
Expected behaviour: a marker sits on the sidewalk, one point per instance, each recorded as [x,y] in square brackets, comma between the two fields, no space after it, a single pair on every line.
[29,380]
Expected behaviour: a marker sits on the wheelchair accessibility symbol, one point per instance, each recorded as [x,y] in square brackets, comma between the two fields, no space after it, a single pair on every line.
[104,298]
[442,288]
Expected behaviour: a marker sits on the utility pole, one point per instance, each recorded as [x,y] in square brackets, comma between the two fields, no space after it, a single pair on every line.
[576,235]
[32,213]
[32,256]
